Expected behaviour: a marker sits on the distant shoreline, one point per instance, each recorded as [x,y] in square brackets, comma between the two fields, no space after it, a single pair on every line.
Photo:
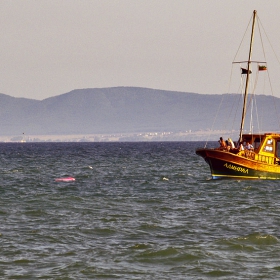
[122,137]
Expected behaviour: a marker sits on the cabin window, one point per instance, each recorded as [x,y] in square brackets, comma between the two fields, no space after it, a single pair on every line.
[269,146]
[268,149]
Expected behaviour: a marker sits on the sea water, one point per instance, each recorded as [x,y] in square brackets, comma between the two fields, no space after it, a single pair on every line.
[135,211]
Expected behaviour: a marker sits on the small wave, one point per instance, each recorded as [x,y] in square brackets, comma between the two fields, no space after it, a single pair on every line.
[148,227]
[187,257]
[99,231]
[258,239]
[167,256]
[23,261]
[162,253]
[247,188]
[35,213]
[67,254]
[249,242]
[252,209]
[140,246]
[219,273]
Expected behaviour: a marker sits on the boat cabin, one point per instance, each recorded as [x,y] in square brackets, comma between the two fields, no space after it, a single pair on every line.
[266,147]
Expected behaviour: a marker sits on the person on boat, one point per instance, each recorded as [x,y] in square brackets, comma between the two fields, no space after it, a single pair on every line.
[239,145]
[231,144]
[228,145]
[222,143]
[249,146]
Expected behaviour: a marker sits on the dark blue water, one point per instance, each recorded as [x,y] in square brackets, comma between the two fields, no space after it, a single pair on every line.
[135,211]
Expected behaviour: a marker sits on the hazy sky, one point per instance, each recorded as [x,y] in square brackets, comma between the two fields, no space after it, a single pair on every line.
[50,47]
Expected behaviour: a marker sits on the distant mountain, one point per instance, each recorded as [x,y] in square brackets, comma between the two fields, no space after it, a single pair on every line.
[126,109]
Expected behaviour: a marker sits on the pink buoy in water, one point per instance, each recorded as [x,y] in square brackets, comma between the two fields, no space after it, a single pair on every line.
[66,179]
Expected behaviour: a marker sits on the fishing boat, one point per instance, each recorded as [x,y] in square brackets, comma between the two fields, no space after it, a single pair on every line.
[261,160]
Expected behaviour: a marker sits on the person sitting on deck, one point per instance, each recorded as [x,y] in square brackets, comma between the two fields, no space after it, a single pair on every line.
[241,148]
[249,146]
[239,145]
[222,144]
[232,147]
[230,144]
[227,145]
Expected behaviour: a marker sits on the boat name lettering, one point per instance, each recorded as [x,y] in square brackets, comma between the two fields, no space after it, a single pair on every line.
[236,168]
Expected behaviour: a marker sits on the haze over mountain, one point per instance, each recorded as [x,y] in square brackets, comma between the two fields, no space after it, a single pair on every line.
[126,110]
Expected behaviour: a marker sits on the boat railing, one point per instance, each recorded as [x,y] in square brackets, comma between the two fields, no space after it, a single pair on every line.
[261,158]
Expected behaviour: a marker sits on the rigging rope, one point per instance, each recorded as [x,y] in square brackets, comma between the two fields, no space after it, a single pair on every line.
[260,24]
[228,83]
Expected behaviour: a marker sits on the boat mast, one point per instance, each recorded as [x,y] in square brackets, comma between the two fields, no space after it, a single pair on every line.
[247,77]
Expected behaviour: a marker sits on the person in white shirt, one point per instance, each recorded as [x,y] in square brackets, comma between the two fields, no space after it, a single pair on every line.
[231,144]
[249,146]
